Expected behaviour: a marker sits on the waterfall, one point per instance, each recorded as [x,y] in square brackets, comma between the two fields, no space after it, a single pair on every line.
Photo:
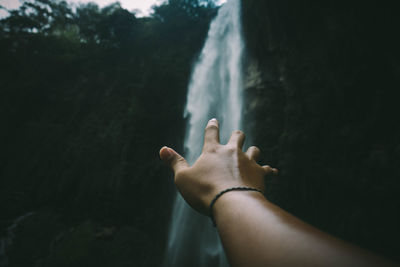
[215,90]
[7,241]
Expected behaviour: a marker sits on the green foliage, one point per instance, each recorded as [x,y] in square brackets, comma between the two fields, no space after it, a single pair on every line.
[39,16]
[88,96]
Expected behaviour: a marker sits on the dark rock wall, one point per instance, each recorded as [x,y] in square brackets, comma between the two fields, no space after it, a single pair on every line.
[325,111]
[81,124]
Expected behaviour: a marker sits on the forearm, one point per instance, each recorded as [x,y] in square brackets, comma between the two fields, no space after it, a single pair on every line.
[255,232]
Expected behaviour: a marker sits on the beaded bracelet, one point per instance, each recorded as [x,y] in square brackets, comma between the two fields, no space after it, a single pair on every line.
[241,188]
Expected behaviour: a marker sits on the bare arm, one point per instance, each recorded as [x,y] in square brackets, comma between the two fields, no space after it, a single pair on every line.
[265,235]
[254,232]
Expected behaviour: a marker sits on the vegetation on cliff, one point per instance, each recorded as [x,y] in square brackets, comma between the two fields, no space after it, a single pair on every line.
[88,96]
[325,112]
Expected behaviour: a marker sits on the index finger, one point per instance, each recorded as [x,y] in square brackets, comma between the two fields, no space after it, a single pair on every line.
[211,133]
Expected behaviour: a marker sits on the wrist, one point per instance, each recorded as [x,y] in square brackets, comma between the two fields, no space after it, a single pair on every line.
[228,201]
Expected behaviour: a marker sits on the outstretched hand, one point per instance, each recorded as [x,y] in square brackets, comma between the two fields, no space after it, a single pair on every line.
[219,167]
[254,231]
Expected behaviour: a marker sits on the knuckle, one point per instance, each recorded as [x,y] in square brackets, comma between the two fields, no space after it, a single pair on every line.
[231,149]
[180,160]
[238,132]
[211,127]
[210,149]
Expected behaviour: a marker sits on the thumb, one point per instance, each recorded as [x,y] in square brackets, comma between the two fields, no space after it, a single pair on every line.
[175,161]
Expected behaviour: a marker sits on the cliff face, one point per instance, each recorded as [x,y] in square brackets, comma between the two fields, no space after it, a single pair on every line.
[87,99]
[322,105]
[82,124]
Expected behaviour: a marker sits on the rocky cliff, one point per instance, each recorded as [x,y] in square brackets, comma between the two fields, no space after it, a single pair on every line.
[322,104]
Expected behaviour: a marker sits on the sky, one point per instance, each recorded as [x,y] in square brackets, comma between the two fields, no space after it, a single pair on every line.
[143,6]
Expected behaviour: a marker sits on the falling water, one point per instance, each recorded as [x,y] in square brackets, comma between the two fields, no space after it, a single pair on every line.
[7,241]
[215,90]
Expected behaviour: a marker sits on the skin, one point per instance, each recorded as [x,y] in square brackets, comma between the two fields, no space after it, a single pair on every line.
[254,232]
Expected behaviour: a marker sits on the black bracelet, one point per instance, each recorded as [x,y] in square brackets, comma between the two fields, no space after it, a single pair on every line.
[242,188]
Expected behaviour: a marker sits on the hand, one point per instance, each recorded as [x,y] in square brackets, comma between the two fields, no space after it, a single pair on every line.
[219,167]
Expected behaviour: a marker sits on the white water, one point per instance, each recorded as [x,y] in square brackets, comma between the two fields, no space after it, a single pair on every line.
[7,241]
[215,90]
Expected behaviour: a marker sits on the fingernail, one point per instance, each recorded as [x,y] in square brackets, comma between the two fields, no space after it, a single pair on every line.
[213,119]
[167,153]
